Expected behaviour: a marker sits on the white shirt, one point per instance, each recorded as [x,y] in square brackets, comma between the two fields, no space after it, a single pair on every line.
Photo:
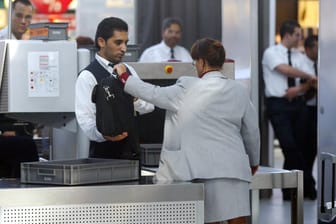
[4,34]
[308,66]
[276,82]
[161,53]
[86,110]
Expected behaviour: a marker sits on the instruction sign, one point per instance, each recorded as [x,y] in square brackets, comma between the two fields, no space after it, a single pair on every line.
[43,74]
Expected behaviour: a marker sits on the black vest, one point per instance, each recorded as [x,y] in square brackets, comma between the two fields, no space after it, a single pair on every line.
[127,148]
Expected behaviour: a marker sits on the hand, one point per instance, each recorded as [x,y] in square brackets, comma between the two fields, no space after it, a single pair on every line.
[117,137]
[9,133]
[254,169]
[292,92]
[314,83]
[312,78]
[122,74]
[119,69]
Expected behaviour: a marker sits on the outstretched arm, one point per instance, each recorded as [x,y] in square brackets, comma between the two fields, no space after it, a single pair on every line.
[167,97]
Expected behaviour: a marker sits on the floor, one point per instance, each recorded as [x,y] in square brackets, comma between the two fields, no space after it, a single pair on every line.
[276,211]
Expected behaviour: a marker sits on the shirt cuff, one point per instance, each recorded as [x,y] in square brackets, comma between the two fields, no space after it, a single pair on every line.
[123,77]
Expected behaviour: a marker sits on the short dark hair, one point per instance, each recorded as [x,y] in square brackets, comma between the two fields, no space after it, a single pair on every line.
[310,41]
[24,2]
[167,22]
[107,27]
[288,26]
[210,50]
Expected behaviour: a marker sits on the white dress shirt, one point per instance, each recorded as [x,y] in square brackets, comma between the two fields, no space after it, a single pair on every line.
[275,82]
[4,34]
[161,53]
[86,110]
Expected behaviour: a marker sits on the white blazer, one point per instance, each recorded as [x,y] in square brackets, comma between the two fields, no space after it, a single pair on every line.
[211,127]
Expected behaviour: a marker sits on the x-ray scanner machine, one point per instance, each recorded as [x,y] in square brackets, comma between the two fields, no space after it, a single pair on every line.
[37,81]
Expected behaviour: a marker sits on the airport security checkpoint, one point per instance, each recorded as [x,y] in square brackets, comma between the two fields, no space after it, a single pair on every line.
[50,177]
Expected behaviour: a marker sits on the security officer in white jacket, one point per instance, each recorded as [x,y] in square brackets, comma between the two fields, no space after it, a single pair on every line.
[211,132]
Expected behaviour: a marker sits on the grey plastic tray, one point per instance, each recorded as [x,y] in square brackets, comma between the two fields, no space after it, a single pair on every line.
[48,31]
[150,154]
[80,171]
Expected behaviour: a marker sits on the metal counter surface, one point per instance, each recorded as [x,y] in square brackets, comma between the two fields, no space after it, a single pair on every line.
[125,202]
[137,191]
[12,193]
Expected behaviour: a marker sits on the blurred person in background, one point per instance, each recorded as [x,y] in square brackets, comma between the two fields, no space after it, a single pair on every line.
[168,49]
[282,66]
[16,137]
[310,149]
[22,14]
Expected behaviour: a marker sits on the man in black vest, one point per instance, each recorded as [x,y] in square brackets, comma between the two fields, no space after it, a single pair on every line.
[111,41]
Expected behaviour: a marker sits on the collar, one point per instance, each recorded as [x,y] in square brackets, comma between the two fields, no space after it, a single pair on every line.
[105,63]
[310,61]
[284,48]
[102,60]
[213,74]
[165,46]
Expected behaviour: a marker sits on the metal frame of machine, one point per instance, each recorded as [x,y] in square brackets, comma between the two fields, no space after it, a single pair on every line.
[172,203]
